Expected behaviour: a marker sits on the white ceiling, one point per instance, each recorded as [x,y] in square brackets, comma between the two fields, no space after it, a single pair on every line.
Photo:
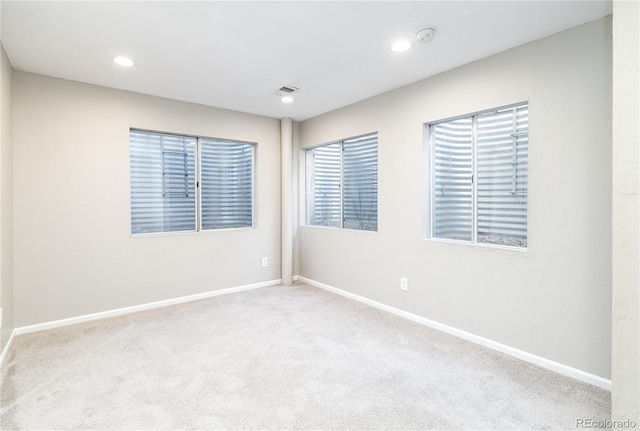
[235,55]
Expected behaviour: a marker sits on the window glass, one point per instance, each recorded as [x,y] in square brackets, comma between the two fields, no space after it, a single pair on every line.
[325,185]
[502,177]
[164,183]
[479,177]
[452,179]
[227,184]
[163,186]
[360,177]
[342,184]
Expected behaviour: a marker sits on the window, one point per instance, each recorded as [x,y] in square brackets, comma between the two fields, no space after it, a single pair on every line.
[479,177]
[227,184]
[342,184]
[165,183]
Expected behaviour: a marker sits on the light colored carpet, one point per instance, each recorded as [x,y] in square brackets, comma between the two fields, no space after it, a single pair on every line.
[278,358]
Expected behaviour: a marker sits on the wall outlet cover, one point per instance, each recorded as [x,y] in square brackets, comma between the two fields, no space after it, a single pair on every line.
[404,284]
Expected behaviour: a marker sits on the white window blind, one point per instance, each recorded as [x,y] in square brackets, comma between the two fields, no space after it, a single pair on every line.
[479,170]
[342,184]
[227,183]
[164,183]
[163,186]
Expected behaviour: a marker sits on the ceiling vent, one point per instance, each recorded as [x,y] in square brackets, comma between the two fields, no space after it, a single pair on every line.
[287,89]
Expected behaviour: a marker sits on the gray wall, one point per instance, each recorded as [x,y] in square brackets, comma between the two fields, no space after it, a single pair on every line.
[6,200]
[626,232]
[554,300]
[73,251]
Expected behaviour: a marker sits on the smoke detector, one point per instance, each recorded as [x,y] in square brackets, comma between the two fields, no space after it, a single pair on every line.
[426,34]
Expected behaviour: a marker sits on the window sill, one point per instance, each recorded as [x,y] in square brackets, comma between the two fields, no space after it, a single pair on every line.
[337,229]
[187,232]
[478,245]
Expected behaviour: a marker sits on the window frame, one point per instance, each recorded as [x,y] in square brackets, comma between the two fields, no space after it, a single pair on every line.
[308,192]
[198,183]
[430,204]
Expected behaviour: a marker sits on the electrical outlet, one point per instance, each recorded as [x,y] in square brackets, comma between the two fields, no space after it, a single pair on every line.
[404,284]
[265,262]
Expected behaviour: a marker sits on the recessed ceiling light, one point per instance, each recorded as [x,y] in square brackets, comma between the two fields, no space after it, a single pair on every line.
[401,46]
[286,99]
[124,61]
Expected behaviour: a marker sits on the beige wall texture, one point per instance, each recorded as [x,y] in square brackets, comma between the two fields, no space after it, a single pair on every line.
[6,200]
[626,232]
[553,300]
[73,252]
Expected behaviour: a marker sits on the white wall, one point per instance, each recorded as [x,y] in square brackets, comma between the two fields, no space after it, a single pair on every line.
[6,200]
[554,300]
[626,232]
[73,251]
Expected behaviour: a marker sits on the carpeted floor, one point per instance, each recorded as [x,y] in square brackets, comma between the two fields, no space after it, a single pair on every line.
[278,358]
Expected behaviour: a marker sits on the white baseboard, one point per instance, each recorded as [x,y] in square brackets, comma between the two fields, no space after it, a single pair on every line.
[494,345]
[295,278]
[7,346]
[142,307]
[525,356]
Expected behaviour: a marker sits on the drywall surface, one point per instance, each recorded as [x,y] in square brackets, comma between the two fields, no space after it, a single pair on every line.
[6,200]
[74,254]
[552,300]
[296,199]
[626,235]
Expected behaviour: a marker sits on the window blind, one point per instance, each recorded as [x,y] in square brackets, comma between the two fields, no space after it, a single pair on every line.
[163,187]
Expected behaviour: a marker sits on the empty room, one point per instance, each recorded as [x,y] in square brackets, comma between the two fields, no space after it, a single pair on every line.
[319,215]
